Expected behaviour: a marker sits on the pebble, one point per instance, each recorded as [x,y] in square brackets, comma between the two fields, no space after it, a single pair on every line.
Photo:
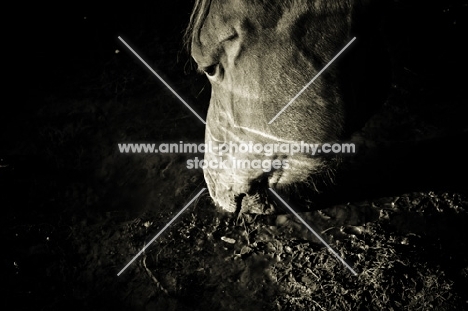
[228,240]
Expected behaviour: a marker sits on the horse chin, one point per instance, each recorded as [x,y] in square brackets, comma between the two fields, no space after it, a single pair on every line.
[246,191]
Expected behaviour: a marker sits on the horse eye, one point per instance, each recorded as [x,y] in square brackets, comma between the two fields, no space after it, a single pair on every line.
[210,70]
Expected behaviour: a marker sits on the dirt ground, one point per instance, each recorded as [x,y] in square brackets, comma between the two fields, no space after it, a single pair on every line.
[77,210]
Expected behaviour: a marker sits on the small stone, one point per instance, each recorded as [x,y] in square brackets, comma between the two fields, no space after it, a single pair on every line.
[245,249]
[228,240]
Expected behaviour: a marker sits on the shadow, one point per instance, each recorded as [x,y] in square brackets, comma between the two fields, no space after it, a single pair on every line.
[437,164]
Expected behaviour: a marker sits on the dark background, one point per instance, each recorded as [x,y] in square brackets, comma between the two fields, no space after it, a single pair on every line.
[71,99]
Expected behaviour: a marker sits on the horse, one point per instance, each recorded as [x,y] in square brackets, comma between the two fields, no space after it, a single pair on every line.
[258,55]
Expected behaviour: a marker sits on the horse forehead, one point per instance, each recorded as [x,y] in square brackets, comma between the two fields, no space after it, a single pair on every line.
[225,17]
[217,28]
[222,20]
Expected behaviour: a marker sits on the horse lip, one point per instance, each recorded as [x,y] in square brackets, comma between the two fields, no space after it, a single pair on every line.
[255,203]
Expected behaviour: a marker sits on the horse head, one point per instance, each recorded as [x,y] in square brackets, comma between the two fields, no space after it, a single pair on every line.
[258,55]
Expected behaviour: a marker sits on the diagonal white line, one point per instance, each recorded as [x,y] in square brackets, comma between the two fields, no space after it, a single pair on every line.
[312,81]
[315,233]
[162,80]
[159,233]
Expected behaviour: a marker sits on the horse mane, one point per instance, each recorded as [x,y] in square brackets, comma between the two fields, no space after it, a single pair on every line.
[197,19]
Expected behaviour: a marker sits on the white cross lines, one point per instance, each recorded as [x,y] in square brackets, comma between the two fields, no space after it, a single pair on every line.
[191,201]
[162,80]
[201,119]
[312,81]
[160,232]
[315,233]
